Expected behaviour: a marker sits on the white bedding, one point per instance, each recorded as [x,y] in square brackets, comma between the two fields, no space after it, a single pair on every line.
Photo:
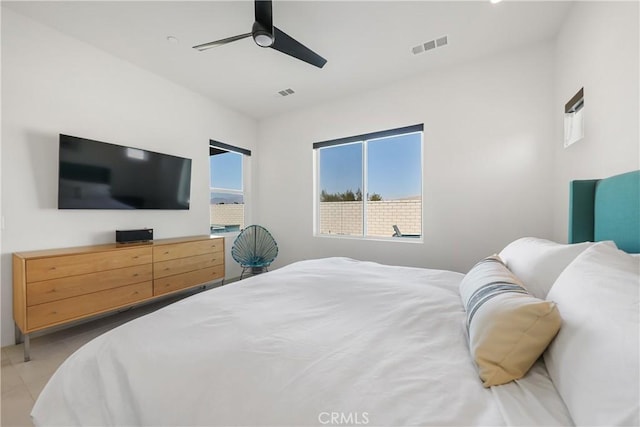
[374,344]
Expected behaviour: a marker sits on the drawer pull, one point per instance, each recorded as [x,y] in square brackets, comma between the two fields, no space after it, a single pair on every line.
[166,252]
[135,275]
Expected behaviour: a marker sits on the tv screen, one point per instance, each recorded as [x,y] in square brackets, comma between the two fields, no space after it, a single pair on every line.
[98,175]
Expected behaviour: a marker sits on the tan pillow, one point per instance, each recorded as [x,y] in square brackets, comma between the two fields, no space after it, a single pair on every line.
[508,328]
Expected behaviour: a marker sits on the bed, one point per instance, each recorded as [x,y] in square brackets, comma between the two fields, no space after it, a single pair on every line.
[338,341]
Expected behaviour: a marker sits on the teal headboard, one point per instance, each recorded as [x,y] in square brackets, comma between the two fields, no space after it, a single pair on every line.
[606,209]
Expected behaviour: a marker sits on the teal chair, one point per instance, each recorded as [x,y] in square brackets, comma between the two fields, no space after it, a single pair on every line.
[254,249]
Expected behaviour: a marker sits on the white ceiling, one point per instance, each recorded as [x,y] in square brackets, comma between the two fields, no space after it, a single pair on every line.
[367,43]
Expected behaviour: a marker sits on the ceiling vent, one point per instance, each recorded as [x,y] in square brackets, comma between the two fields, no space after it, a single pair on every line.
[431,44]
[286,92]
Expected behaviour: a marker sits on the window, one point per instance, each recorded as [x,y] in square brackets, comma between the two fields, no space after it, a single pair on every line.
[370,185]
[226,187]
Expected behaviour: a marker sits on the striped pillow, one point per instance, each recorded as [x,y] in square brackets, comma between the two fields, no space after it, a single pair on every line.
[508,328]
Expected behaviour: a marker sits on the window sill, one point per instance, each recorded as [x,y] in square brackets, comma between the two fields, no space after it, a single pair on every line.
[225,234]
[410,240]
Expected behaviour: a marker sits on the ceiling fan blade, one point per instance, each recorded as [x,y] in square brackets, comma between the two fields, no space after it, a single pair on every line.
[285,44]
[220,42]
[264,14]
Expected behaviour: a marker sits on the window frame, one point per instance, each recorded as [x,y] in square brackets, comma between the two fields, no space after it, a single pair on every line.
[364,139]
[217,147]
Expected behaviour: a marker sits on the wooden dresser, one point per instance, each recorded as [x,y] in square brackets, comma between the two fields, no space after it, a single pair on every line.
[58,286]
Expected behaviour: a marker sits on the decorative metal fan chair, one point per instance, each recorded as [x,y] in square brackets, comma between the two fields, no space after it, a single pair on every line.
[254,249]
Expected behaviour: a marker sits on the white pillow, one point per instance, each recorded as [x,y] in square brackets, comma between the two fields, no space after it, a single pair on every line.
[594,360]
[539,262]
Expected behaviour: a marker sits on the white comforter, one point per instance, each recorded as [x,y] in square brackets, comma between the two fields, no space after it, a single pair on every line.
[313,343]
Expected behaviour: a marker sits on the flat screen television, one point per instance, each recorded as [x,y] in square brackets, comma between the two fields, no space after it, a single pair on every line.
[98,175]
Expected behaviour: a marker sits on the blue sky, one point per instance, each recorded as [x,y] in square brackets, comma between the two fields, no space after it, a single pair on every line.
[393,165]
[341,168]
[226,171]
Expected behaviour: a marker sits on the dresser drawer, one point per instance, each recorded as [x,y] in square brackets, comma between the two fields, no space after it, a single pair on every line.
[40,269]
[180,281]
[67,287]
[184,265]
[183,250]
[48,314]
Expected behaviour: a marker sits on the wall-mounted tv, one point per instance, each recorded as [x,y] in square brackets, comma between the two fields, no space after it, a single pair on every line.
[98,175]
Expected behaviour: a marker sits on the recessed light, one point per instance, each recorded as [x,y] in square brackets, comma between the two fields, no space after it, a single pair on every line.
[172,40]
[495,1]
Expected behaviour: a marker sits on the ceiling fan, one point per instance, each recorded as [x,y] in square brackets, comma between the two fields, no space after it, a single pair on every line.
[266,35]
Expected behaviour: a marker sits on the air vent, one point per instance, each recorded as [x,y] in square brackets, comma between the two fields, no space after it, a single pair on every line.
[286,92]
[430,45]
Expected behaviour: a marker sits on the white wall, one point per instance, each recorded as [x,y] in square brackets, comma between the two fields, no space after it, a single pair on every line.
[487,161]
[54,84]
[3,296]
[598,49]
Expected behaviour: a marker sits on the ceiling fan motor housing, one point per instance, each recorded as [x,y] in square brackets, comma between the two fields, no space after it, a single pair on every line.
[261,35]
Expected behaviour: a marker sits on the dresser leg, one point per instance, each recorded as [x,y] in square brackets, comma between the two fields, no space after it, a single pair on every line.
[27,348]
[24,338]
[19,336]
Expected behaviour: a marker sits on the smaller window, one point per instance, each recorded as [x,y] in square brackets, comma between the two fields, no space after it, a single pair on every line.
[226,187]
